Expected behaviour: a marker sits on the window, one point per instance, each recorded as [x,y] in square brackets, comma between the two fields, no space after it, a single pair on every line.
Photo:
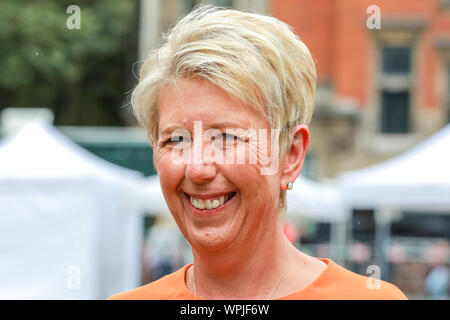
[395,112]
[395,90]
[396,60]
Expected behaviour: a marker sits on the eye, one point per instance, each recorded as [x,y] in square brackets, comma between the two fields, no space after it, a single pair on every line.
[231,140]
[176,139]
[229,137]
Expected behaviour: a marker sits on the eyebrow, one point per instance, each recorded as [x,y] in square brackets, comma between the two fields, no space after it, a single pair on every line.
[216,125]
[169,129]
[228,124]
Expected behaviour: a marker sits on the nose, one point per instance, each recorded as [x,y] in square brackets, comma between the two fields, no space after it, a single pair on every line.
[200,170]
[200,173]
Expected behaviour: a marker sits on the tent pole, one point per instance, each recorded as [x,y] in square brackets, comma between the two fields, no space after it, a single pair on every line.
[382,237]
[339,239]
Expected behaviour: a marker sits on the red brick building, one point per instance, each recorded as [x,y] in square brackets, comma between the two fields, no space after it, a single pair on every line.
[380,90]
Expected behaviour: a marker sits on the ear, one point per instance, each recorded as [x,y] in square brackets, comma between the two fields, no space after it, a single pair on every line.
[153,147]
[295,155]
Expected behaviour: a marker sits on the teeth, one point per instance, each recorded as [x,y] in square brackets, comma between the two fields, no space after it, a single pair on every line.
[208,204]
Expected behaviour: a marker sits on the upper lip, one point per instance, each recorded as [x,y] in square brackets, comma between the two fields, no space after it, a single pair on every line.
[209,195]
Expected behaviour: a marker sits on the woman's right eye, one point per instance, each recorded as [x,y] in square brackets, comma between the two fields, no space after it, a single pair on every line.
[177,139]
[173,140]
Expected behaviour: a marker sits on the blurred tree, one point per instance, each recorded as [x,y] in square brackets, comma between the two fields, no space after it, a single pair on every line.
[83,74]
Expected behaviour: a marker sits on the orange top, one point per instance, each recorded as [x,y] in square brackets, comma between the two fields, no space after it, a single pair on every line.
[334,283]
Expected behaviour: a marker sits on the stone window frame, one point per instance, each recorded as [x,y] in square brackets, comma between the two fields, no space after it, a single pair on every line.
[443,46]
[402,32]
[394,83]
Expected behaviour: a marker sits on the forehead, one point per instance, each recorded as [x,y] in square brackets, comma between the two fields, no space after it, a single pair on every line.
[192,100]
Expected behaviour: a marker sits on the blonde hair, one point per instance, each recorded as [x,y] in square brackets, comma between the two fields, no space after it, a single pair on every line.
[257,59]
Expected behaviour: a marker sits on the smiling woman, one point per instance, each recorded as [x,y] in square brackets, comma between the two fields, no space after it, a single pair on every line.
[235,86]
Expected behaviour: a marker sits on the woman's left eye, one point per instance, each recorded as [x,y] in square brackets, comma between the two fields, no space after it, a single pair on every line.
[231,137]
[228,136]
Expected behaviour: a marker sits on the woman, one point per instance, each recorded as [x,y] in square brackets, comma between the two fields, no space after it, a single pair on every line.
[226,101]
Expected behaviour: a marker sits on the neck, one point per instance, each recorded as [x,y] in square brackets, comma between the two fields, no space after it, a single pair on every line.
[249,270]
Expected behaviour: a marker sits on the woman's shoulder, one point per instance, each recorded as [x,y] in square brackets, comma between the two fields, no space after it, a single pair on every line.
[342,283]
[169,287]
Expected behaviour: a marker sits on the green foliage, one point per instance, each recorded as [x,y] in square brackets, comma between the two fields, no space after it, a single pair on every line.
[80,74]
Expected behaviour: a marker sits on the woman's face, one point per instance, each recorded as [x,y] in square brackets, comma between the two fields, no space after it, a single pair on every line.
[216,201]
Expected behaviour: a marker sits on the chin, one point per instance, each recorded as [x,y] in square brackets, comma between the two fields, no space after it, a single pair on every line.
[210,238]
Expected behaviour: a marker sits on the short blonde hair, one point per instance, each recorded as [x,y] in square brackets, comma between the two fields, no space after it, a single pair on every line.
[257,59]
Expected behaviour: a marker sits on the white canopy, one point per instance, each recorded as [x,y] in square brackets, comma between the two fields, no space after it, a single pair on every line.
[40,151]
[150,197]
[418,178]
[308,198]
[67,227]
[317,201]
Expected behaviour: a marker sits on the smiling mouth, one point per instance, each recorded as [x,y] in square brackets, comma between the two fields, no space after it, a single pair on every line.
[209,203]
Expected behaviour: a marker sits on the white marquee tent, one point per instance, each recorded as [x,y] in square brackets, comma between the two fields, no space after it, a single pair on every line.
[68,229]
[318,201]
[416,179]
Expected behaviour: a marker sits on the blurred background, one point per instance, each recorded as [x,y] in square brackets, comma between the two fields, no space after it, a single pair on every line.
[81,212]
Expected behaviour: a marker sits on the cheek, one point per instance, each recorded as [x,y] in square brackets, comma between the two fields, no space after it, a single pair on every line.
[170,173]
[254,187]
